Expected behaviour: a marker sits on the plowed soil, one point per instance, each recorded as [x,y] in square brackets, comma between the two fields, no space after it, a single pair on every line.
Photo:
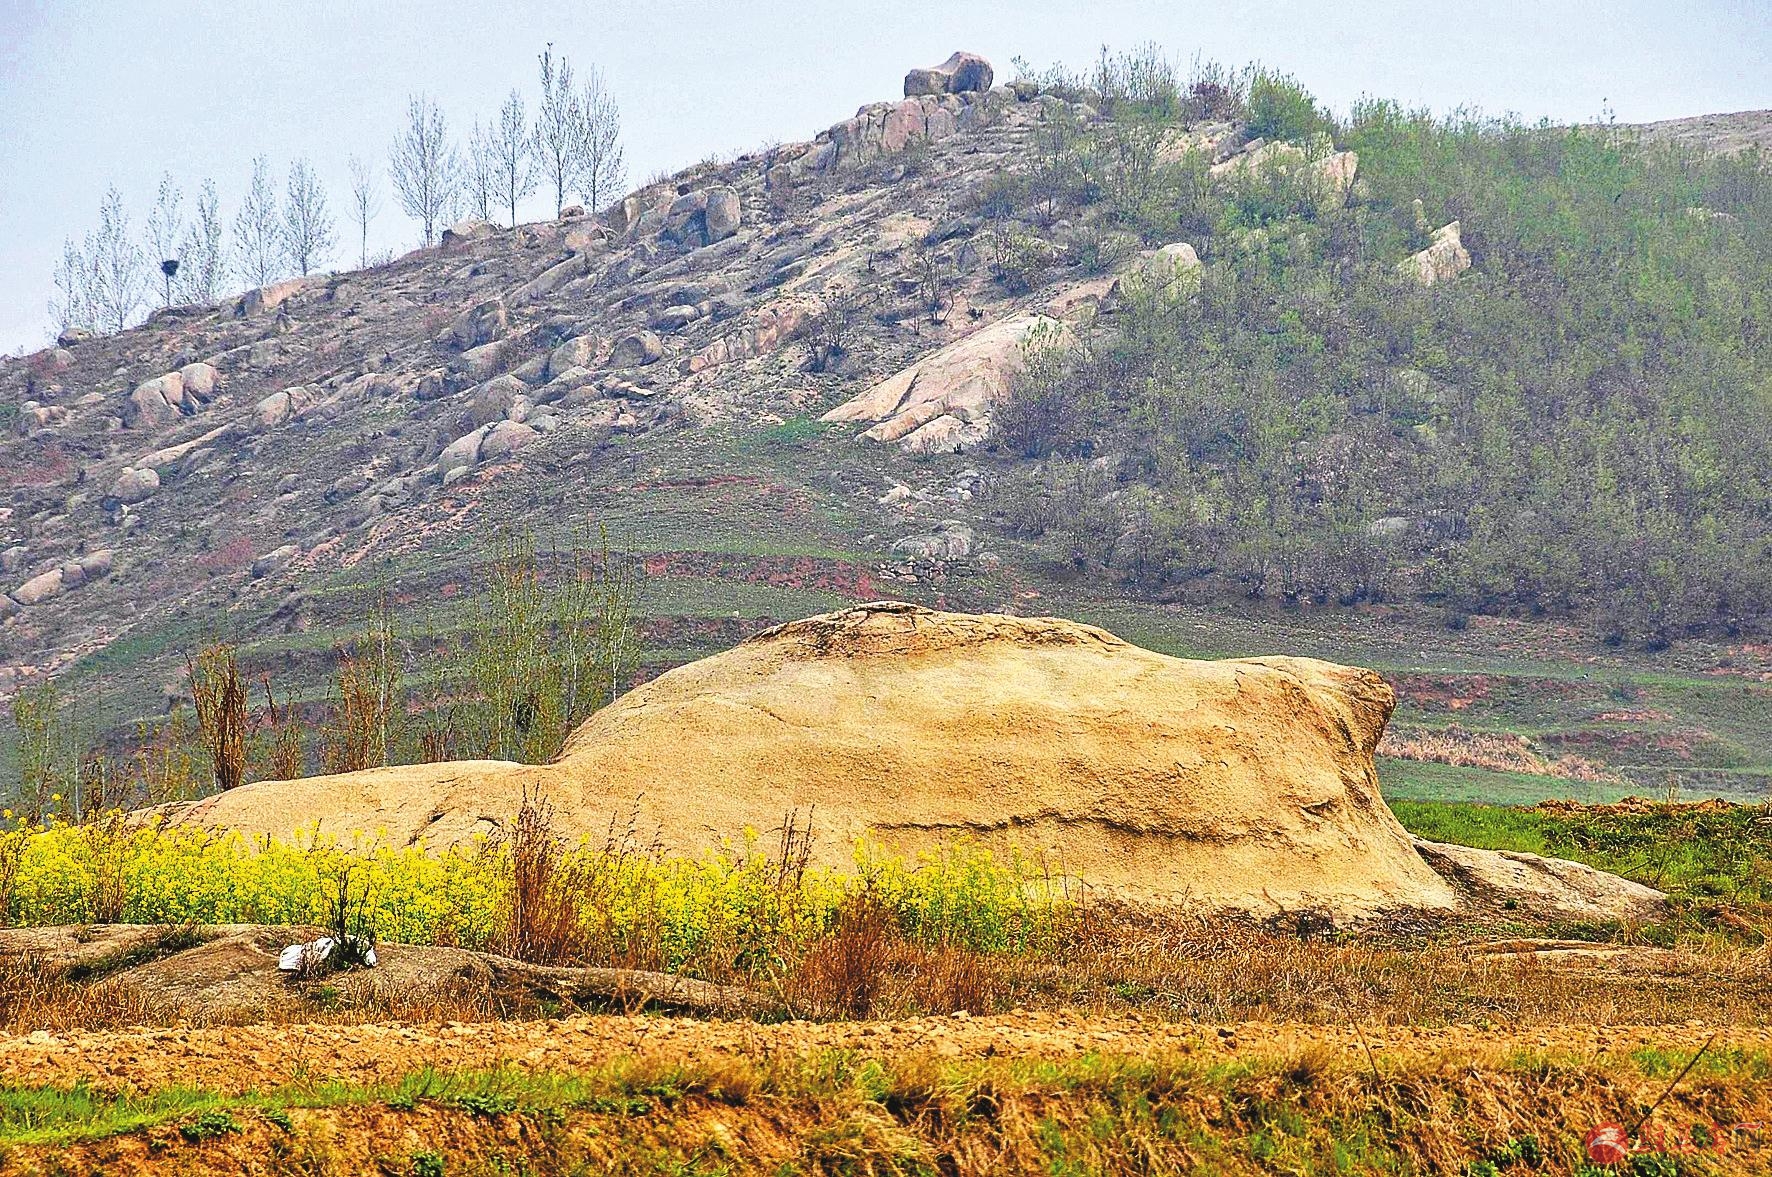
[234,1060]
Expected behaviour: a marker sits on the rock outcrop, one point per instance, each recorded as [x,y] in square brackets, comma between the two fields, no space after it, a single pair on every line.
[960,73]
[1244,784]
[1171,272]
[1445,258]
[943,401]
[268,298]
[1332,171]
[1502,881]
[73,574]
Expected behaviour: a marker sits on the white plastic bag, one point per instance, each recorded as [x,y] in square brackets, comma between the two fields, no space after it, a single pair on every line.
[298,957]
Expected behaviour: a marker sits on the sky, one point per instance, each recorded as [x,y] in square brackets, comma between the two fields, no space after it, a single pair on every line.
[121,91]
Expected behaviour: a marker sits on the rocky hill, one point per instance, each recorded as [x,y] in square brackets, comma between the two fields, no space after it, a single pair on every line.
[219,455]
[777,378]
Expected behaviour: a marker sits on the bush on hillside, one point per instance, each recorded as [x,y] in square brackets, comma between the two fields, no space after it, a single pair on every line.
[1580,425]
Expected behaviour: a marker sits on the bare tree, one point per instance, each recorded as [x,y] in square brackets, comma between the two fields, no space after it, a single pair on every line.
[116,262]
[425,168]
[511,152]
[76,301]
[258,231]
[557,120]
[165,227]
[365,203]
[308,235]
[203,261]
[599,163]
[480,177]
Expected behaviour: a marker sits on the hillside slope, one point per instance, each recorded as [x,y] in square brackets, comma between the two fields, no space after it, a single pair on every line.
[661,371]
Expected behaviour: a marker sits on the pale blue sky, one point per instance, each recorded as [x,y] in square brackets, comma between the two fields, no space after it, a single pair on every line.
[121,90]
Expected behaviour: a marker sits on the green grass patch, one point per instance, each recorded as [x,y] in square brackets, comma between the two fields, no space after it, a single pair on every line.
[1426,780]
[60,1115]
[1693,852]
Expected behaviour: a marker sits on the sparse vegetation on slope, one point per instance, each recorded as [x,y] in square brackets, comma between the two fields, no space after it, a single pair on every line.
[1578,425]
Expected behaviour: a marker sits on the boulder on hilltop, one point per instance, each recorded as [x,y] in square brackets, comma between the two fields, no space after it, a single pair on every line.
[959,74]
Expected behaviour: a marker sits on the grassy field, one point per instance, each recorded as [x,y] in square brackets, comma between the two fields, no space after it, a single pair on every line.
[1303,1111]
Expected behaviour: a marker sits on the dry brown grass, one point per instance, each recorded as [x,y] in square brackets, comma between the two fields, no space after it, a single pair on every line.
[35,995]
[1496,751]
[866,967]
[914,1113]
[283,745]
[38,995]
[219,695]
[1125,959]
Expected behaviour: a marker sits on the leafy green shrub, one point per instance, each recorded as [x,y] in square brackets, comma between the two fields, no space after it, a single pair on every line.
[1088,248]
[1020,261]
[209,1125]
[1279,108]
[551,645]
[1141,83]
[1589,441]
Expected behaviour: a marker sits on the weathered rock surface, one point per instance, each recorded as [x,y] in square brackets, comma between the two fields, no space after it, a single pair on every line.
[952,539]
[286,405]
[268,298]
[39,588]
[959,73]
[505,438]
[134,486]
[703,217]
[1504,881]
[1445,258]
[200,381]
[480,324]
[154,402]
[771,325]
[1333,171]
[465,231]
[1170,272]
[636,350]
[580,352]
[943,402]
[463,452]
[275,560]
[1245,784]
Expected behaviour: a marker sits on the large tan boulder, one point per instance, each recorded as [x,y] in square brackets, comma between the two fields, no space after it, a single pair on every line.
[480,324]
[1502,881]
[1445,258]
[290,403]
[39,588]
[268,298]
[199,381]
[155,402]
[943,401]
[134,486]
[1244,784]
[504,439]
[960,73]
[1170,272]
